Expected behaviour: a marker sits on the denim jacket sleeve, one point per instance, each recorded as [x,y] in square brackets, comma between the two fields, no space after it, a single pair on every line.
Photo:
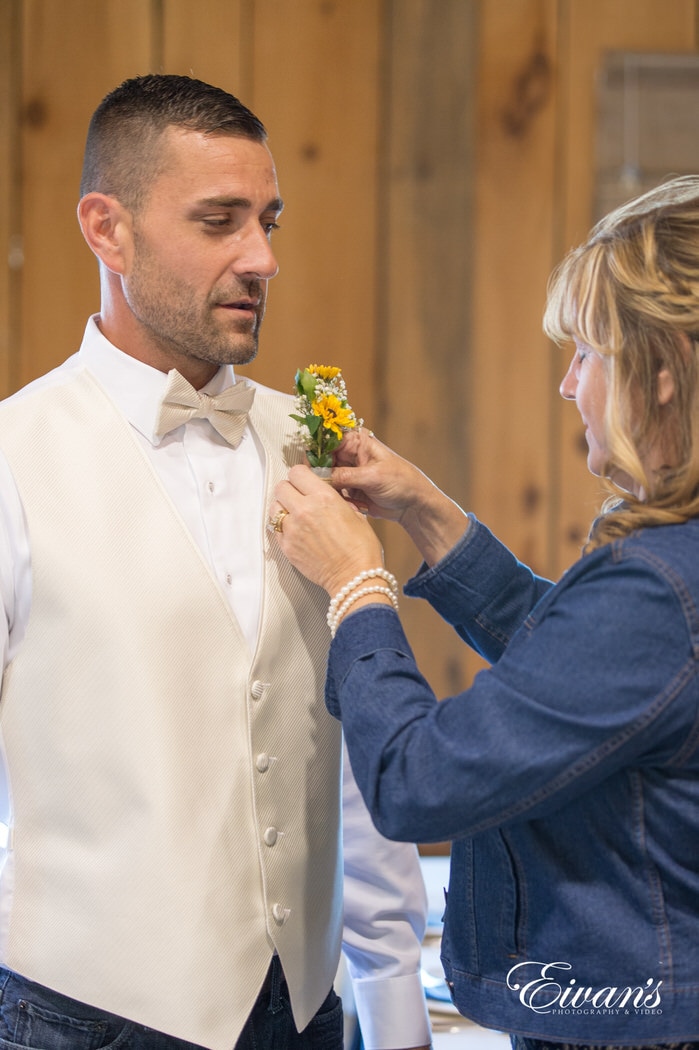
[481,589]
[601,674]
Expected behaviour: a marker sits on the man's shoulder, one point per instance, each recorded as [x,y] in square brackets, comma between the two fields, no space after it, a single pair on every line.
[271,406]
[64,373]
[263,391]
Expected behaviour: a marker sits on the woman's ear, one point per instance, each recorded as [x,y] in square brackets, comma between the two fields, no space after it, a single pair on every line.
[106,227]
[666,387]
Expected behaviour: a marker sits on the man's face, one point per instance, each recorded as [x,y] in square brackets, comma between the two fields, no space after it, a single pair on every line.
[196,283]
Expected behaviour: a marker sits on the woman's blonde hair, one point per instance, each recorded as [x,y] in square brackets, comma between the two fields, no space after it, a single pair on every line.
[631,292]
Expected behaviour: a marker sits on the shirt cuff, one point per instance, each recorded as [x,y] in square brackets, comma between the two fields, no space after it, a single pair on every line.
[392,1012]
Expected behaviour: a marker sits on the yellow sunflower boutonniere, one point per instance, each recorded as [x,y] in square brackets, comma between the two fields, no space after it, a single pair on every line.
[322,412]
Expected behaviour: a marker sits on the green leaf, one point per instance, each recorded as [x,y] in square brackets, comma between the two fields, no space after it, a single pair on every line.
[322,460]
[306,384]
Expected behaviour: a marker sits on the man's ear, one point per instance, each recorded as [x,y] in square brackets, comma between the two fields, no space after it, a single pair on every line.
[106,226]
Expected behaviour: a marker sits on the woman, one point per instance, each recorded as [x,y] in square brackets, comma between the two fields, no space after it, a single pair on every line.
[567,776]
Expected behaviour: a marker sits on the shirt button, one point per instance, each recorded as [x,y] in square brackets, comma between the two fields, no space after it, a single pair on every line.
[229,579]
[280,913]
[211,486]
[270,836]
[262,763]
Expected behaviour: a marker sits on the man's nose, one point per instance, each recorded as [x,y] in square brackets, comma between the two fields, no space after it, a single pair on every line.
[256,257]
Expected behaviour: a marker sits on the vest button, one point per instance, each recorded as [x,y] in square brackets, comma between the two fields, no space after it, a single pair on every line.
[262,763]
[280,913]
[270,836]
[257,690]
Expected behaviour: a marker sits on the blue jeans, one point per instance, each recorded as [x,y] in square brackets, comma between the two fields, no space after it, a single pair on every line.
[35,1017]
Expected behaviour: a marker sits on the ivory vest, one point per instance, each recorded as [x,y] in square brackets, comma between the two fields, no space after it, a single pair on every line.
[176,798]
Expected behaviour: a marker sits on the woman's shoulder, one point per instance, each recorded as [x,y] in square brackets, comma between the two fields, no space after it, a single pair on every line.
[671,550]
[668,552]
[671,539]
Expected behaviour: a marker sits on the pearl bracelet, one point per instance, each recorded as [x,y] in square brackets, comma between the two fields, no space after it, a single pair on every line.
[368,574]
[349,594]
[334,623]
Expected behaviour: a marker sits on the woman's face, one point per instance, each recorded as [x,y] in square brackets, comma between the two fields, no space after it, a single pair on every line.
[585,382]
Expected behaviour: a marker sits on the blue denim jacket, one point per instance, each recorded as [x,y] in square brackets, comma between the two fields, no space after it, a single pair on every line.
[567,778]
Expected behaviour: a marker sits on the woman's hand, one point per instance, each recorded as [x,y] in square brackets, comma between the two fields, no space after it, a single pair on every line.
[323,536]
[378,481]
[383,484]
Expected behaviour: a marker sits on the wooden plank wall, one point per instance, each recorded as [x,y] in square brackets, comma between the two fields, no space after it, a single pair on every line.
[437,159]
[587,30]
[9,204]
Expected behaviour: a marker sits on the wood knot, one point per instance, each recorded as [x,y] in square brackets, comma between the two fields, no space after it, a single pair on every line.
[35,113]
[531,499]
[575,535]
[530,93]
[309,152]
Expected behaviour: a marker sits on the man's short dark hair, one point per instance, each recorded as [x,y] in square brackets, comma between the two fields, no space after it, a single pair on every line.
[121,153]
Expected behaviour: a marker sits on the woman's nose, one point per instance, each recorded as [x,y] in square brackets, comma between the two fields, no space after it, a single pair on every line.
[568,384]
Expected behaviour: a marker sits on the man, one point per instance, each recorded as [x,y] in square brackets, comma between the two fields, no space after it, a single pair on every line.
[173,874]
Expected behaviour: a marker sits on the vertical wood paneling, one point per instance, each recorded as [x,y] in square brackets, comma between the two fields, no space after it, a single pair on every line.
[425,353]
[589,30]
[511,395]
[206,41]
[9,186]
[73,53]
[316,88]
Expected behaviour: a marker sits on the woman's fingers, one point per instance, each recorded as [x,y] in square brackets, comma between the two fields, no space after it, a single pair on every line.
[323,535]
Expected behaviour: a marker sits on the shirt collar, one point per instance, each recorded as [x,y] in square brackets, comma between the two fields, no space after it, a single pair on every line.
[134,387]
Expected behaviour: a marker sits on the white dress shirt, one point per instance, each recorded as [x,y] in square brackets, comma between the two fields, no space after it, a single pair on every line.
[218,491]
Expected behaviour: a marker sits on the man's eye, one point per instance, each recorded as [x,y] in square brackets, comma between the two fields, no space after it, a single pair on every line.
[216,220]
[269,227]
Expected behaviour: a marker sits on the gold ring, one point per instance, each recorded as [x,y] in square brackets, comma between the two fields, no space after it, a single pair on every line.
[276,523]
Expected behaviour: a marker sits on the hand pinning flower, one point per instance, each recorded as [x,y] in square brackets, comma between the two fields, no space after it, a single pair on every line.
[323,413]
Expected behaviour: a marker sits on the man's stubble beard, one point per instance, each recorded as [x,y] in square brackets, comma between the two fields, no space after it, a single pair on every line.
[164,307]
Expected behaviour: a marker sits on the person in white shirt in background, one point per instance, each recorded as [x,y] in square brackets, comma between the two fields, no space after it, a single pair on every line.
[173,873]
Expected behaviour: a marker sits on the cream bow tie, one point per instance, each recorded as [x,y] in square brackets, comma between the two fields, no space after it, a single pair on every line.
[227,411]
